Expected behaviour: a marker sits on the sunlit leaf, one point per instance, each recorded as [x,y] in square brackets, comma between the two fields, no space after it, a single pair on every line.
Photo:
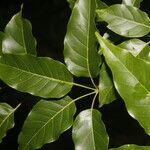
[80,45]
[46,121]
[18,38]
[6,118]
[137,48]
[131,78]
[89,132]
[132,147]
[107,92]
[125,20]
[135,3]
[40,76]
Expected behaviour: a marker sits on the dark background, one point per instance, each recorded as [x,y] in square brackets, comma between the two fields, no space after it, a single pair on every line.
[49,21]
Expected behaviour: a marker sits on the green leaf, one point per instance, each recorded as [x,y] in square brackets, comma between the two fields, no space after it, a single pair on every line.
[125,20]
[107,92]
[100,4]
[131,78]
[137,48]
[6,119]
[89,132]
[132,147]
[43,77]
[135,3]
[71,3]
[80,45]
[145,53]
[1,38]
[18,37]
[46,121]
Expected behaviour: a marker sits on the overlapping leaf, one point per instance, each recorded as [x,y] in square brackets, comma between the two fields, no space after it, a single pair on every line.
[132,147]
[80,48]
[131,78]
[6,118]
[107,92]
[89,132]
[138,48]
[46,121]
[135,3]
[43,77]
[18,38]
[126,20]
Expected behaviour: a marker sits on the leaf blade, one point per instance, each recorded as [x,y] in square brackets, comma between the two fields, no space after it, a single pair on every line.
[135,3]
[50,125]
[132,147]
[79,45]
[18,38]
[132,85]
[89,132]
[6,118]
[107,92]
[126,20]
[40,76]
[137,48]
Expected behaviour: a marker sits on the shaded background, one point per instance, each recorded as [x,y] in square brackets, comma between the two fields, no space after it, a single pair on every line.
[49,21]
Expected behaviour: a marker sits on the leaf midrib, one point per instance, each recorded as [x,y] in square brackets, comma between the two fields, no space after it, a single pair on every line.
[22,33]
[9,114]
[92,130]
[35,74]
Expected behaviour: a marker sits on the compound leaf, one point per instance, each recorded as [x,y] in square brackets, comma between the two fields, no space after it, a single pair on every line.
[18,38]
[46,121]
[107,92]
[125,20]
[80,45]
[135,3]
[89,132]
[131,78]
[132,147]
[39,76]
[6,118]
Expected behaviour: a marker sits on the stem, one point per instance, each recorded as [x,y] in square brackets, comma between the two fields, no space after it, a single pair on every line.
[84,96]
[83,86]
[96,93]
[93,82]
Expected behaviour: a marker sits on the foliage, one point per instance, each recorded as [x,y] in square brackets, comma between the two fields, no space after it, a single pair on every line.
[123,69]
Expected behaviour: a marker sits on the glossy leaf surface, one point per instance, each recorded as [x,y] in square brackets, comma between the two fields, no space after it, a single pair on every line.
[41,76]
[46,121]
[6,119]
[132,147]
[80,48]
[18,38]
[89,132]
[131,78]
[107,92]
[126,20]
[135,3]
[138,48]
